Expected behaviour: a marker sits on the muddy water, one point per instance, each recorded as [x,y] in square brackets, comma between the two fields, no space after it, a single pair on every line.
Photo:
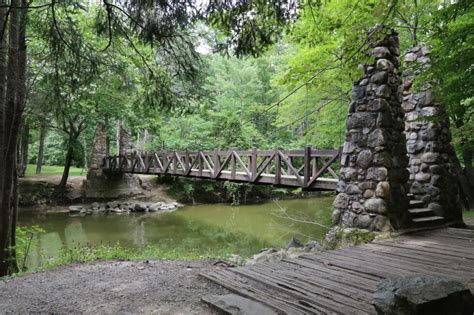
[217,228]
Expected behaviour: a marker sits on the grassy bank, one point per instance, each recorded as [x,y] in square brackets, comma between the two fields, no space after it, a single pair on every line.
[54,170]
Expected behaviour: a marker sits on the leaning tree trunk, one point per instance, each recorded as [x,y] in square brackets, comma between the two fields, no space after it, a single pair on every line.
[39,161]
[67,165]
[12,85]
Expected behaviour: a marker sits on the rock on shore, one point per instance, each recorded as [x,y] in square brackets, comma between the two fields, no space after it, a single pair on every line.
[122,207]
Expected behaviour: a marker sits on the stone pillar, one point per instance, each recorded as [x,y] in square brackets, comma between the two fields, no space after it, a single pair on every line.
[99,149]
[99,185]
[125,141]
[373,176]
[432,178]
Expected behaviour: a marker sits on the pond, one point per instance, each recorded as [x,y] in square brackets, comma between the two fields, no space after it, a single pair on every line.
[211,230]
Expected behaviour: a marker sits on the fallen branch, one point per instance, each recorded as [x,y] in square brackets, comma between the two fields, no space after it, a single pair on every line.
[288,217]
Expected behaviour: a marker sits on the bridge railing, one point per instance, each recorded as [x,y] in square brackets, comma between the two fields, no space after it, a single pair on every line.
[308,168]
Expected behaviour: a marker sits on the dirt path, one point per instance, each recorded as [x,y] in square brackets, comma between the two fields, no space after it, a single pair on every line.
[163,287]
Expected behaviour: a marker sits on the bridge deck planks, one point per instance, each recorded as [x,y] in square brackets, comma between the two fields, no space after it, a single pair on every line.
[343,281]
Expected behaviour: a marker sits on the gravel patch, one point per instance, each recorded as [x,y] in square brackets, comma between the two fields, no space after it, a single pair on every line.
[156,287]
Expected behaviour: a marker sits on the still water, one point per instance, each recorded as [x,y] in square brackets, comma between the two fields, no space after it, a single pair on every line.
[216,229]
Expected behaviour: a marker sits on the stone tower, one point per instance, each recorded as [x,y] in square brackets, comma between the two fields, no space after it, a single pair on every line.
[373,177]
[432,178]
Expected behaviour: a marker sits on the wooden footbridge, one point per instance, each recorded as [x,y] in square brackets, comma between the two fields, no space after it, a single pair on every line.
[309,169]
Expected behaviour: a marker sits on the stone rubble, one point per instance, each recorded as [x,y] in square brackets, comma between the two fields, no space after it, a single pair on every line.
[123,207]
[293,249]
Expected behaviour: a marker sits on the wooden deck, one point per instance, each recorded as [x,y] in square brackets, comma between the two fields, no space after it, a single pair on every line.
[309,169]
[343,281]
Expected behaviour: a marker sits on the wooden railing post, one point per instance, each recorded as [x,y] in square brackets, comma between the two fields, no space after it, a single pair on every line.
[307,166]
[186,161]
[277,168]
[217,163]
[200,164]
[253,165]
[175,156]
[288,172]
[232,165]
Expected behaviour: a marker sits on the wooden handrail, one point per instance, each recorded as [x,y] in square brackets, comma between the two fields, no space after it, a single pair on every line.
[292,168]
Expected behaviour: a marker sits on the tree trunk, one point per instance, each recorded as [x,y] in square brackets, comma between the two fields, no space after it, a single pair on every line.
[39,161]
[24,150]
[12,86]
[467,158]
[465,176]
[465,189]
[469,175]
[67,165]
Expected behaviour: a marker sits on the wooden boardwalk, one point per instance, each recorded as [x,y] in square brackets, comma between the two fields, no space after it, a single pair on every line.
[309,168]
[343,281]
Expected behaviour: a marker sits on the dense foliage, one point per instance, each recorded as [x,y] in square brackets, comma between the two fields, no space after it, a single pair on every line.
[236,102]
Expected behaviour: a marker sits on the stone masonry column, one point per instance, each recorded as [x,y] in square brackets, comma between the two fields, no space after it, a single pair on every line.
[373,176]
[98,149]
[432,178]
[125,142]
[106,186]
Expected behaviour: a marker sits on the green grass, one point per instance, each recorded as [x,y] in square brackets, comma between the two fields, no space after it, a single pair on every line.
[468,214]
[53,170]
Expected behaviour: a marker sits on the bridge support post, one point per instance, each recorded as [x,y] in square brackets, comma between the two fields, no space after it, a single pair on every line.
[100,185]
[307,171]
[253,164]
[432,157]
[373,176]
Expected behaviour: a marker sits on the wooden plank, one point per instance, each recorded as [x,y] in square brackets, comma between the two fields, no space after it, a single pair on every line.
[235,304]
[253,165]
[355,266]
[324,168]
[467,232]
[290,167]
[306,167]
[346,277]
[422,249]
[370,259]
[422,256]
[316,302]
[440,243]
[256,291]
[298,275]
[244,167]
[376,263]
[416,260]
[217,164]
[442,237]
[277,168]
[320,295]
